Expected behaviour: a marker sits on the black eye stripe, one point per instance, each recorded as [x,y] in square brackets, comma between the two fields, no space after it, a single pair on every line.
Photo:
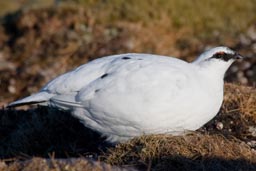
[223,56]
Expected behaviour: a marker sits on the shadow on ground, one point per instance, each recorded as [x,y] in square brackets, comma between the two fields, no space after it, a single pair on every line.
[45,131]
[182,163]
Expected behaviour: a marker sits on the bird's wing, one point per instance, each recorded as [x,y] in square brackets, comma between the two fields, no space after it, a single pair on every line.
[67,85]
[74,80]
[84,75]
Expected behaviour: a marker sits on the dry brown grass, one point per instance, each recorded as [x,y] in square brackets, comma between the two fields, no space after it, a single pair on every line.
[242,99]
[204,150]
[72,164]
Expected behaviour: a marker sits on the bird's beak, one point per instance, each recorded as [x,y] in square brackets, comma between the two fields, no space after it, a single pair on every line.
[238,56]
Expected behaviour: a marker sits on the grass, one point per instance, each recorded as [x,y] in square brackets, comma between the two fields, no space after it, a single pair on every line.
[14,5]
[191,152]
[203,18]
[199,15]
[39,164]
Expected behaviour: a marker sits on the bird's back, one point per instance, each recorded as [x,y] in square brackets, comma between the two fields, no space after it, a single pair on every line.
[70,83]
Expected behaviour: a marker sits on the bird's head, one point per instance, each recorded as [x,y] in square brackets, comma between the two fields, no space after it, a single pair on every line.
[217,58]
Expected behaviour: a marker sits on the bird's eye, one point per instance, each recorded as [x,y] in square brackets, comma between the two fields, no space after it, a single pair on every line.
[219,55]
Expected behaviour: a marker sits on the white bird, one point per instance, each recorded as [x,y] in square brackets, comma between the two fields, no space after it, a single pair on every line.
[128,95]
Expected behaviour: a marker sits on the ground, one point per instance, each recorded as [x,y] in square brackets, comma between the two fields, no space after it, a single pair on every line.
[40,43]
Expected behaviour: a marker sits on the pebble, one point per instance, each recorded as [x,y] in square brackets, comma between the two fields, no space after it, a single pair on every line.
[240,74]
[11,89]
[243,80]
[246,65]
[252,130]
[219,125]
[234,68]
[252,143]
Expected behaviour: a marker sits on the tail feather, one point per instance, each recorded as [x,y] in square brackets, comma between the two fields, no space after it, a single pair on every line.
[38,98]
[65,102]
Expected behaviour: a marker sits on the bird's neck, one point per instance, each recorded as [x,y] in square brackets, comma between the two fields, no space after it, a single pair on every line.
[214,76]
[214,70]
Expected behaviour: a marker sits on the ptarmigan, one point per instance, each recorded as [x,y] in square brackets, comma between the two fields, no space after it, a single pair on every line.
[128,95]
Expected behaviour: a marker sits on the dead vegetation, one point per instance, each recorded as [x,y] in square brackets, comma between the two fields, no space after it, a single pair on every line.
[80,164]
[194,151]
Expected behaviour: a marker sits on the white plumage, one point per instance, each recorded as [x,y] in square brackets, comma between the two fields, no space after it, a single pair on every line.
[128,95]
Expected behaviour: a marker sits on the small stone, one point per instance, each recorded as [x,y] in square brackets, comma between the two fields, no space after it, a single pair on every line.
[253,150]
[12,89]
[240,74]
[219,125]
[130,44]
[252,130]
[234,68]
[252,143]
[246,65]
[243,81]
